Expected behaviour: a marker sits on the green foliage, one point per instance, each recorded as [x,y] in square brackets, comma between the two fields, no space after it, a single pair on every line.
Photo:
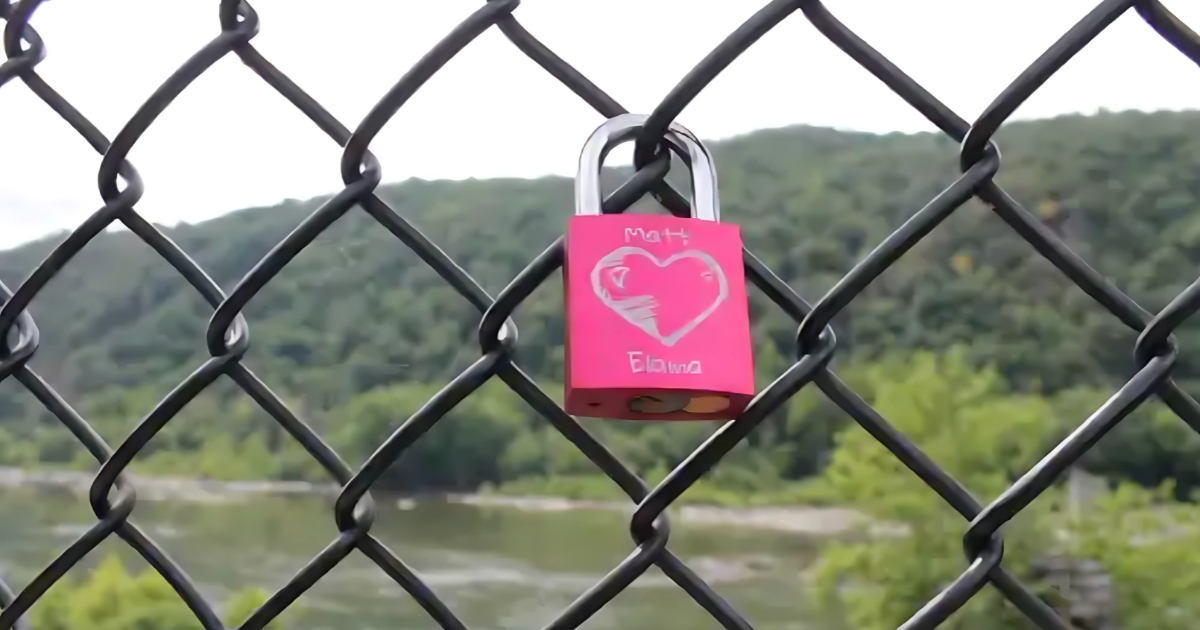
[463,450]
[1147,543]
[983,436]
[111,598]
[986,437]
[1150,446]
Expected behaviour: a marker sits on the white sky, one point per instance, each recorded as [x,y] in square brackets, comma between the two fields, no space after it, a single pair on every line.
[230,141]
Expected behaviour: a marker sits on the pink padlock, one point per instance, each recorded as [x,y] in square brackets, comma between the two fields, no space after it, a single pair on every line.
[657,323]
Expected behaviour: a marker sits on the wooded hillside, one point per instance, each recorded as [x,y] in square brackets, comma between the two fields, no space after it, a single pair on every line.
[357,331]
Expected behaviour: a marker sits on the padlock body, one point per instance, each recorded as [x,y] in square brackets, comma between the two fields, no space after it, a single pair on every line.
[655,306]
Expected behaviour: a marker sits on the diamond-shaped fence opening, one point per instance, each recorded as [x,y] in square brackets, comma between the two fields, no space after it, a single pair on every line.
[112,497]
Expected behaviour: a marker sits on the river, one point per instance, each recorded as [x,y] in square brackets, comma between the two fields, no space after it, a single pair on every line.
[496,567]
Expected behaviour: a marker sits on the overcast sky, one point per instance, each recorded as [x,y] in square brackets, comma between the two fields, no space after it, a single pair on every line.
[230,141]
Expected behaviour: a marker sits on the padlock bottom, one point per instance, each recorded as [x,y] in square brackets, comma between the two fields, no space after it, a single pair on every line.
[659,404]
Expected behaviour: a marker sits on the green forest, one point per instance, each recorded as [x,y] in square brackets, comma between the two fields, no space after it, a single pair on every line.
[357,332]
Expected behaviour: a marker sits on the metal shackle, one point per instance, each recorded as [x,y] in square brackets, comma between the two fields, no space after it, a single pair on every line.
[623,128]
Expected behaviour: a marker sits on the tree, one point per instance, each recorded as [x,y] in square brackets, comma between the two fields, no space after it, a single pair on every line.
[1143,540]
[1146,541]
[984,437]
[111,598]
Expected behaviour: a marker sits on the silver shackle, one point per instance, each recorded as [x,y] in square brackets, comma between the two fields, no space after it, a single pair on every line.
[623,128]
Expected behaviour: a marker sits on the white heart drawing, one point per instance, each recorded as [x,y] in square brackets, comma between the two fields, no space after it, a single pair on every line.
[639,310]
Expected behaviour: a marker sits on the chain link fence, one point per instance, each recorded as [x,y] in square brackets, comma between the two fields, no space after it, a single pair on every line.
[112,498]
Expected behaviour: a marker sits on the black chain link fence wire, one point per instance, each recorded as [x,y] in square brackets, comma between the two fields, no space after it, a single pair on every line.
[113,499]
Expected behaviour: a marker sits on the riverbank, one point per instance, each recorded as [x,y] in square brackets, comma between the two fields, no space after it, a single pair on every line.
[797,519]
[163,488]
